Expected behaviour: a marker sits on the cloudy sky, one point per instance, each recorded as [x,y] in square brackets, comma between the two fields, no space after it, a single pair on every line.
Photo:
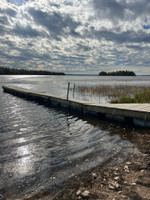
[75,36]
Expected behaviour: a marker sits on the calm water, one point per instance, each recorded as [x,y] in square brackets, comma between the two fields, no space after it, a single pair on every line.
[41,147]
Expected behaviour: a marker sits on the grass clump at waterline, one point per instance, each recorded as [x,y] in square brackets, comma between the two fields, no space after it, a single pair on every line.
[117,93]
[142,97]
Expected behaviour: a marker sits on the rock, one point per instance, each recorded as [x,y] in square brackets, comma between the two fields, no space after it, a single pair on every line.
[94,175]
[85,193]
[113,185]
[78,192]
[133,183]
[128,163]
[116,178]
[126,168]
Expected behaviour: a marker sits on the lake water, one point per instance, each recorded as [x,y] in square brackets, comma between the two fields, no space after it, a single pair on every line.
[41,147]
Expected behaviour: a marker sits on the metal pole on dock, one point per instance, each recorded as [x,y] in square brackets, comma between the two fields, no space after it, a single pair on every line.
[68,90]
[74,90]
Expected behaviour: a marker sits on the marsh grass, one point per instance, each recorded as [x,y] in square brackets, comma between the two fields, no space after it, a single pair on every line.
[119,93]
[143,97]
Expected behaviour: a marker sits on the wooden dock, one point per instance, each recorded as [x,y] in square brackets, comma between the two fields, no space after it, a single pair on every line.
[138,114]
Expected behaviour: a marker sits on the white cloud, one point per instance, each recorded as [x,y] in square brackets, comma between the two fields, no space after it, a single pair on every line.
[80,36]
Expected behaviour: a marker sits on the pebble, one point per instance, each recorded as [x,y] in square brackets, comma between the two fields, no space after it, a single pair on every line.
[116,178]
[133,183]
[113,185]
[53,178]
[94,175]
[78,192]
[85,193]
[126,168]
[128,163]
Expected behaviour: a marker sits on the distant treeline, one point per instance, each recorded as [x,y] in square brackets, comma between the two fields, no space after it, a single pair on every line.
[7,71]
[117,73]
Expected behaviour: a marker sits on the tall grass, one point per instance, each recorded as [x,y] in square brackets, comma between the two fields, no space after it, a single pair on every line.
[143,97]
[123,93]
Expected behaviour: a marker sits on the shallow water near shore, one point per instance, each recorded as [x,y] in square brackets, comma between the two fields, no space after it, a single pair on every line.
[42,147]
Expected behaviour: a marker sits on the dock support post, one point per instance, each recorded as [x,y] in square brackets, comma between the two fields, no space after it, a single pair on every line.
[68,90]
[74,90]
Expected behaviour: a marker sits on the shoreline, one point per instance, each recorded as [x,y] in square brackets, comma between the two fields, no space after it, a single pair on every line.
[128,181]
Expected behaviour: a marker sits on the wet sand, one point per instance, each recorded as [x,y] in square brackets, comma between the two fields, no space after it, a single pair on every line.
[128,181]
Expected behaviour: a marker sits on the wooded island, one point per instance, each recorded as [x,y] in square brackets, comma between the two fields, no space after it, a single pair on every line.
[11,71]
[117,73]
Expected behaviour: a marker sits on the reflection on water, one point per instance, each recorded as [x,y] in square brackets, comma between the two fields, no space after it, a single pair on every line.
[43,146]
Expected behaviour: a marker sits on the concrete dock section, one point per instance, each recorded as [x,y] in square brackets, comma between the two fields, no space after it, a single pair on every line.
[138,114]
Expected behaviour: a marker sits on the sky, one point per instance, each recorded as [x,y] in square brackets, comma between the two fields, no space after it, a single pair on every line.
[75,36]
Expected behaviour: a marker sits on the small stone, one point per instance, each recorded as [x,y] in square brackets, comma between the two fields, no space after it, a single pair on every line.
[126,168]
[128,163]
[85,193]
[113,185]
[142,170]
[86,160]
[116,185]
[133,183]
[94,175]
[116,178]
[78,192]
